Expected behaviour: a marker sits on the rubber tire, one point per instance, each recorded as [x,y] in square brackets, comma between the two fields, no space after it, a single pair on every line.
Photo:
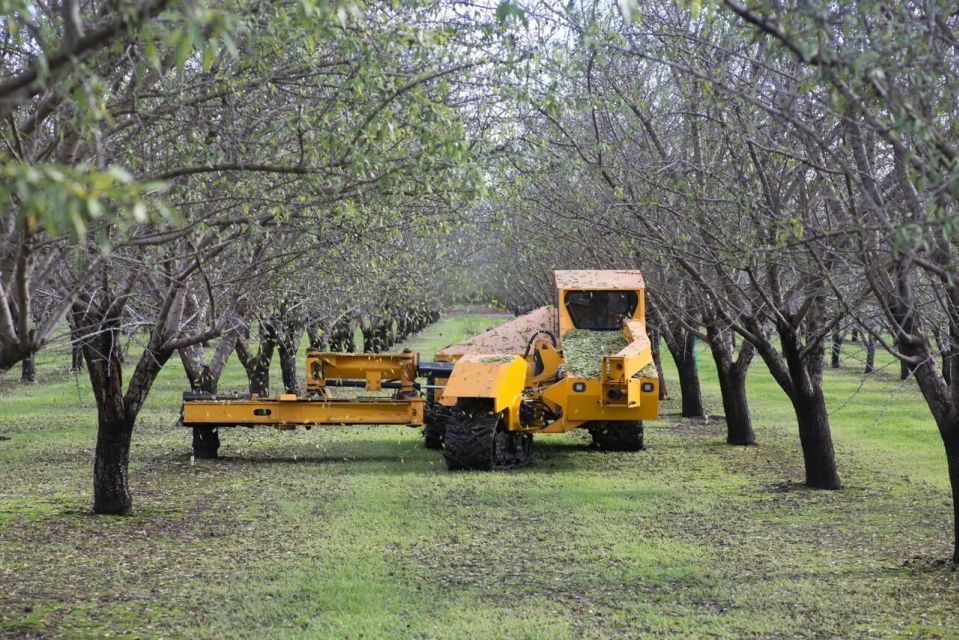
[512,449]
[434,432]
[468,444]
[611,435]
[206,443]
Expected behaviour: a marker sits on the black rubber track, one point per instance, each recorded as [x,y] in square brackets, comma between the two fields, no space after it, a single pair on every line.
[477,441]
[512,449]
[434,427]
[469,440]
[617,435]
[206,443]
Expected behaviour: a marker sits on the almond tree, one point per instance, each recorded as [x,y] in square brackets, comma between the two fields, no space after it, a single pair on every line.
[251,121]
[890,72]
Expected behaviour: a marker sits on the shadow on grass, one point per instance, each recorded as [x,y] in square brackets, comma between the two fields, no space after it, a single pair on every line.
[788,487]
[572,455]
[295,459]
[548,451]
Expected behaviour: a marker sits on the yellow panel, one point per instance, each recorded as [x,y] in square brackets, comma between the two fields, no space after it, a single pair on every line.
[550,358]
[303,411]
[590,404]
[501,378]
[371,367]
[633,357]
[609,279]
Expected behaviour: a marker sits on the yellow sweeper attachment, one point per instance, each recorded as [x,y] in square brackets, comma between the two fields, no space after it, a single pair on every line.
[584,363]
[588,364]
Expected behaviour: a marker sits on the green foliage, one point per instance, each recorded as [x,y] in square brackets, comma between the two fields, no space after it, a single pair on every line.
[67,200]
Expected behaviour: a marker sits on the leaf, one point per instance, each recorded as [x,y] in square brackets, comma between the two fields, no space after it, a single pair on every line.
[209,55]
[184,47]
[139,211]
[507,9]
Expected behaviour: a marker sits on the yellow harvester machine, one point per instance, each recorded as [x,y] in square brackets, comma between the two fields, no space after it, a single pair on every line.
[483,399]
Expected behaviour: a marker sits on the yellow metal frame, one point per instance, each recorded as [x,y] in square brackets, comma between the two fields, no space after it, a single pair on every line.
[289,409]
[591,403]
[617,395]
[319,407]
[505,380]
[374,368]
[497,378]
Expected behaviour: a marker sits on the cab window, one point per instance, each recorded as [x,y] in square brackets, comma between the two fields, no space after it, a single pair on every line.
[600,310]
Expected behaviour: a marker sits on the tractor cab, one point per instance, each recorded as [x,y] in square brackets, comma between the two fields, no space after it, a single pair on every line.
[600,310]
[598,300]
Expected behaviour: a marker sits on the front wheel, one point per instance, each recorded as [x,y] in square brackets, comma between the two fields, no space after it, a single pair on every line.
[613,435]
[478,440]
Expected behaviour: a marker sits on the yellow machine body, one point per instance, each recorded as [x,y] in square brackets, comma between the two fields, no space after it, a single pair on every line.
[627,389]
[367,371]
[498,378]
[373,368]
[514,373]
[295,411]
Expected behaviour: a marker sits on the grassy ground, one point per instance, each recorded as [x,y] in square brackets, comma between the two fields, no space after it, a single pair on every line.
[360,532]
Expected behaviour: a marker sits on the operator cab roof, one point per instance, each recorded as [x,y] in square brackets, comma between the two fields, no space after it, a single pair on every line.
[589,279]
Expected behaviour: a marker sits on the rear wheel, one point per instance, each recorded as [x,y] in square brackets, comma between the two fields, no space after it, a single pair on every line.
[512,449]
[206,443]
[610,435]
[476,439]
[434,427]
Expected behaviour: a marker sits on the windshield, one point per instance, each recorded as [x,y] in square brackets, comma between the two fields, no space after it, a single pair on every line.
[600,310]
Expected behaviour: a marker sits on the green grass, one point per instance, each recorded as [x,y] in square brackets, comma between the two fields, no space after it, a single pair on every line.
[360,531]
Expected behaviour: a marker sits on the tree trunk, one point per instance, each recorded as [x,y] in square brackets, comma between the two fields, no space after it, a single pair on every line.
[101,351]
[732,381]
[116,414]
[658,362]
[951,440]
[836,348]
[905,370]
[732,386]
[76,346]
[367,331]
[28,369]
[805,372]
[684,353]
[392,332]
[317,337]
[870,354]
[76,361]
[341,337]
[258,365]
[376,336]
[111,493]
[288,349]
[948,351]
[258,377]
[943,402]
[815,437]
[206,443]
[206,377]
